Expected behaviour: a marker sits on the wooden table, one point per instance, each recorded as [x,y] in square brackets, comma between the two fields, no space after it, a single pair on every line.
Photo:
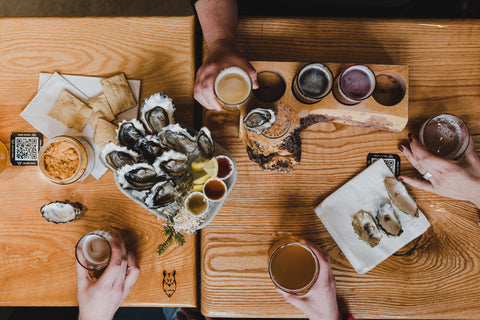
[37,257]
[439,278]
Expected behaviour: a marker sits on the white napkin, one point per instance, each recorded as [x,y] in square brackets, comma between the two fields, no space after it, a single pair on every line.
[366,192]
[50,86]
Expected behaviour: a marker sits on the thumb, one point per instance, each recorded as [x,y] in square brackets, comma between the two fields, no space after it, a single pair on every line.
[252,73]
[290,298]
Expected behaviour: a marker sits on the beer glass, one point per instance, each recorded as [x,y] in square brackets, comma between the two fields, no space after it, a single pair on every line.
[93,251]
[232,88]
[312,83]
[354,84]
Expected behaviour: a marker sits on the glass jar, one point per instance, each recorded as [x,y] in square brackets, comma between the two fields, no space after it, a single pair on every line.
[66,159]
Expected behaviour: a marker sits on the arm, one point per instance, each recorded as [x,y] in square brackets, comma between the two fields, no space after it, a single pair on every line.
[218,19]
[458,179]
[100,298]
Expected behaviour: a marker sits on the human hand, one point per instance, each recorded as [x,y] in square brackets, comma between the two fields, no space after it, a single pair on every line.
[458,179]
[222,54]
[321,301]
[100,298]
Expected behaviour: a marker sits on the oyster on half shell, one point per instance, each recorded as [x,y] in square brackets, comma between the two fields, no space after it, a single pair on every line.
[388,220]
[115,156]
[139,176]
[259,119]
[130,132]
[173,163]
[366,228]
[161,195]
[61,212]
[156,112]
[174,137]
[205,143]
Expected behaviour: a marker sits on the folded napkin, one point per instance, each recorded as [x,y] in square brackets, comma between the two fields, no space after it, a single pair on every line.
[50,86]
[365,192]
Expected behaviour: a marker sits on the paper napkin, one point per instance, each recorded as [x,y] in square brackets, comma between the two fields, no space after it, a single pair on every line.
[50,86]
[367,192]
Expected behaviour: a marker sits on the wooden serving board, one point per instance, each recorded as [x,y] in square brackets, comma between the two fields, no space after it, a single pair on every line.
[368,113]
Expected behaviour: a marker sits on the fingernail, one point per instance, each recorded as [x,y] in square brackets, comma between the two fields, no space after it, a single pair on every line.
[410,137]
[400,178]
[400,148]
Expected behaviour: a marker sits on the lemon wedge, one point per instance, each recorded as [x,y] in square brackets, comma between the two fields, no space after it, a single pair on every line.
[199,163]
[197,187]
[201,178]
[211,167]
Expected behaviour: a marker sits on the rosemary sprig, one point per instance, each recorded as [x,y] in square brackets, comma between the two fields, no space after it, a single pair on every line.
[171,234]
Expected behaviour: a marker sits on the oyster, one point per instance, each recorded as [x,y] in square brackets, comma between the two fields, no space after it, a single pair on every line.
[139,176]
[172,163]
[115,156]
[366,228]
[130,132]
[400,198]
[157,112]
[150,147]
[61,212]
[176,138]
[161,195]
[205,143]
[259,119]
[388,220]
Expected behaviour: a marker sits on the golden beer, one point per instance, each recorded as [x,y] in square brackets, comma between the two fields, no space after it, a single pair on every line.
[233,87]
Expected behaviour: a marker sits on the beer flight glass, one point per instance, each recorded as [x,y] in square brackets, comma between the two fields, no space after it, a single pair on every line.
[232,87]
[93,251]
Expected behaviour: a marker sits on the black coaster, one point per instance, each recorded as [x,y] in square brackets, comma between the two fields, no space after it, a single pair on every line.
[24,147]
[391,160]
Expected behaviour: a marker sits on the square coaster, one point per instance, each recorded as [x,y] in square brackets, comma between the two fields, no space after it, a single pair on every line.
[391,160]
[24,148]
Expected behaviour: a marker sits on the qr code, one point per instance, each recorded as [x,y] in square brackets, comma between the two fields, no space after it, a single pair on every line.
[26,148]
[390,164]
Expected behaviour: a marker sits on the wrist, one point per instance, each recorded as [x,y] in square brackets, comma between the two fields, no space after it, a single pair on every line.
[222,44]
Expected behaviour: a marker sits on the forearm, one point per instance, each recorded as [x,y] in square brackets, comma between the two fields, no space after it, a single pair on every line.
[218,19]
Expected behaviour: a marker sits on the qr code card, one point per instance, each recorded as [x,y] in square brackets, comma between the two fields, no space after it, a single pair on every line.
[24,147]
[391,160]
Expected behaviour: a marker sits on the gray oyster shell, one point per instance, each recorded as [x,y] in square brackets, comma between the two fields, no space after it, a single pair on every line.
[157,112]
[174,137]
[139,176]
[161,195]
[172,163]
[388,220]
[150,147]
[259,119]
[366,228]
[205,143]
[114,156]
[61,212]
[129,133]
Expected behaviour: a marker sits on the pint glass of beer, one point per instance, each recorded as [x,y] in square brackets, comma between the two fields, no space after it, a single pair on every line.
[312,83]
[293,267]
[93,250]
[232,88]
[354,84]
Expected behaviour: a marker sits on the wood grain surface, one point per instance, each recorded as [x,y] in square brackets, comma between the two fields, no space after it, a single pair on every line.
[37,257]
[435,276]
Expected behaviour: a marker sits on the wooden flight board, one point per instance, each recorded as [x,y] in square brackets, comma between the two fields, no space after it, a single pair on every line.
[368,113]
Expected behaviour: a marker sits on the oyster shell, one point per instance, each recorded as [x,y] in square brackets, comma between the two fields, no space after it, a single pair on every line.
[139,176]
[174,137]
[130,132]
[161,195]
[61,212]
[259,119]
[205,143]
[157,112]
[388,220]
[366,228]
[115,156]
[400,197]
[173,163]
[150,147]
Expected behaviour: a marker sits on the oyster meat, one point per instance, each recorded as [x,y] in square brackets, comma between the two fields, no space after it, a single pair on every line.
[115,156]
[173,163]
[174,137]
[61,212]
[205,143]
[366,228]
[130,132]
[400,198]
[388,220]
[139,176]
[150,147]
[259,119]
[161,195]
[157,112]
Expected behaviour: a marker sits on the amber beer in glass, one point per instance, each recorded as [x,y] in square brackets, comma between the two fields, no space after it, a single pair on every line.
[93,250]
[445,136]
[293,267]
[232,88]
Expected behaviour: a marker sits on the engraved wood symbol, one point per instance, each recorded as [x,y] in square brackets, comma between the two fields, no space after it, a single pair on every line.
[169,283]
